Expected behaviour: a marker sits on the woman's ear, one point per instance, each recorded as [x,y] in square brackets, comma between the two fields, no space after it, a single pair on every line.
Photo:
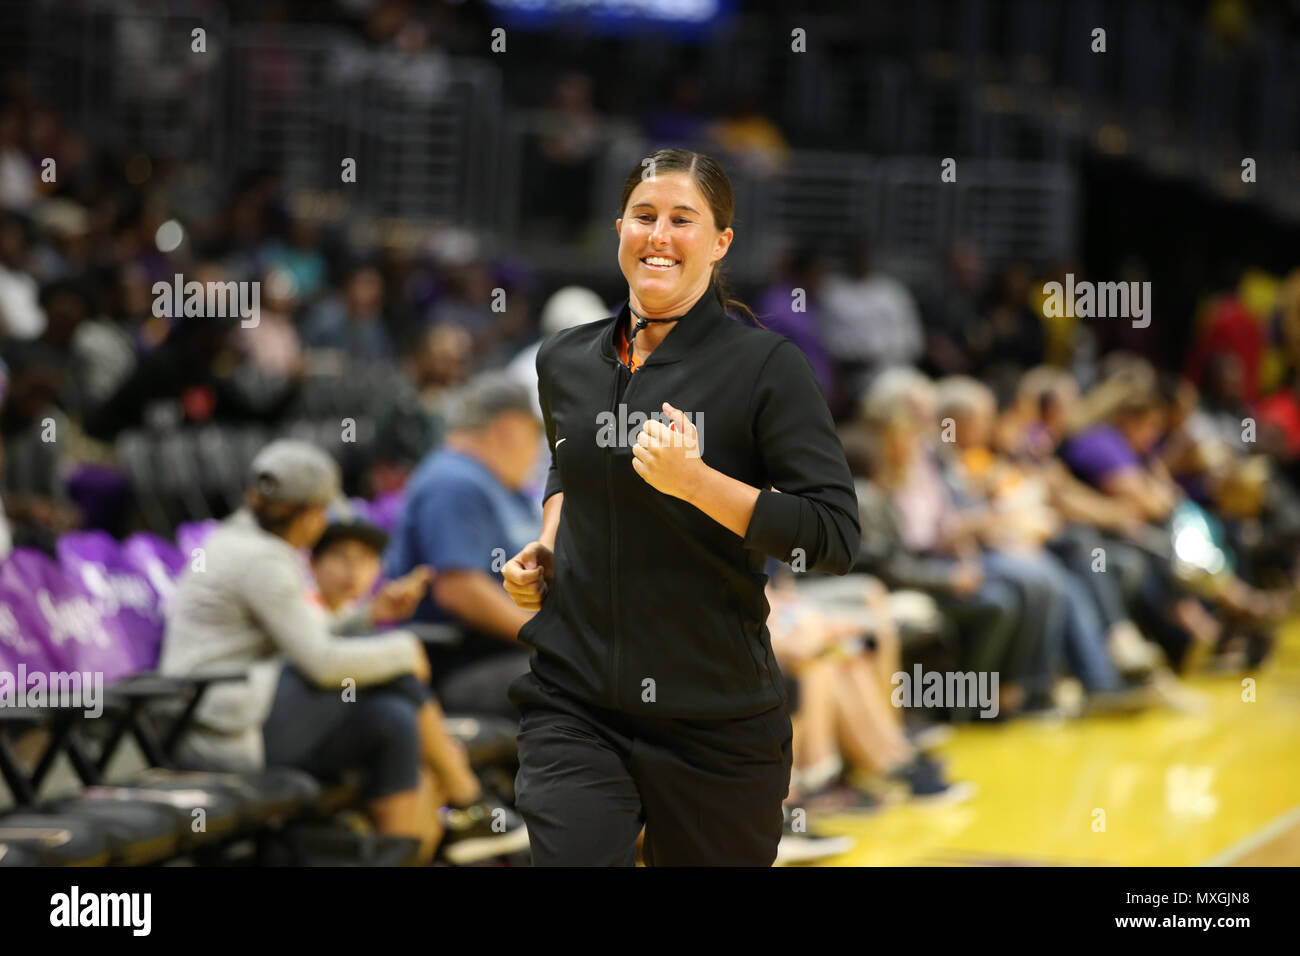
[723,243]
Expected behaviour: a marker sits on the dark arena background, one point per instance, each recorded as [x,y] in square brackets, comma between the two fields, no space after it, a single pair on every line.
[1043,258]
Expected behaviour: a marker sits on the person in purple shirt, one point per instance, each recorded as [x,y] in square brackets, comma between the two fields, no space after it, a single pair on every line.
[1114,457]
[801,269]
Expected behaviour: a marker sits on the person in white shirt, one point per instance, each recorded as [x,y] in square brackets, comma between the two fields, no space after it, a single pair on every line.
[870,320]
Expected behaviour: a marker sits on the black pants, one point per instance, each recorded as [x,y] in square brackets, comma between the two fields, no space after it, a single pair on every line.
[708,792]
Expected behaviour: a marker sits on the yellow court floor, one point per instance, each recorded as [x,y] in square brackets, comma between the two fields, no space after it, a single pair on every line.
[1157,789]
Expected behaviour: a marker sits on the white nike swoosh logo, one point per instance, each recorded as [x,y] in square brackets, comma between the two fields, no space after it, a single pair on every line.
[560,442]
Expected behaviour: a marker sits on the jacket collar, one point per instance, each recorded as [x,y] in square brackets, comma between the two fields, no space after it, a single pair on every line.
[703,318]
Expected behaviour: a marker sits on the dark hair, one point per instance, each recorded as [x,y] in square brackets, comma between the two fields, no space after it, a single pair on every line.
[709,178]
[274,517]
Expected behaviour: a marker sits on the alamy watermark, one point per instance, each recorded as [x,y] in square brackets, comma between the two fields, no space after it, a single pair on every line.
[620,429]
[229,300]
[946,689]
[129,910]
[83,690]
[1101,300]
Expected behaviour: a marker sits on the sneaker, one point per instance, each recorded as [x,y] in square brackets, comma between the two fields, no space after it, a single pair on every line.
[1170,692]
[806,847]
[1130,652]
[839,798]
[480,832]
[925,781]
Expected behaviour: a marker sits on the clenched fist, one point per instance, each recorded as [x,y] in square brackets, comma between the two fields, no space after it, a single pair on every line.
[667,457]
[528,575]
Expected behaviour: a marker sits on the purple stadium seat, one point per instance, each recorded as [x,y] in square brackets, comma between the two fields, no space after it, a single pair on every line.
[63,617]
[192,534]
[123,594]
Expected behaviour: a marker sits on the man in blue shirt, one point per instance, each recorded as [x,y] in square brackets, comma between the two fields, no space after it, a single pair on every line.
[466,514]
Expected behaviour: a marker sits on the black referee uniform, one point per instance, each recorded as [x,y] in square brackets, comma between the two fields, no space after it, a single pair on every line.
[653,696]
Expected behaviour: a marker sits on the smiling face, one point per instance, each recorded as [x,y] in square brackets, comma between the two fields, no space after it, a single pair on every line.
[667,245]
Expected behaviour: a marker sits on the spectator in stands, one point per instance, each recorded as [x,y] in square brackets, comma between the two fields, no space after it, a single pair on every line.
[986,611]
[464,510]
[353,322]
[19,176]
[1228,328]
[791,306]
[564,157]
[935,521]
[844,669]
[567,308]
[1116,458]
[301,257]
[21,316]
[272,346]
[680,118]
[1012,332]
[31,471]
[248,609]
[871,321]
[951,311]
[193,376]
[346,563]
[411,421]
[100,353]
[749,135]
[1029,524]
[468,303]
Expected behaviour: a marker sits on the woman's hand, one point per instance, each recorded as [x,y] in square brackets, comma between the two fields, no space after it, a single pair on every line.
[397,600]
[529,574]
[668,456]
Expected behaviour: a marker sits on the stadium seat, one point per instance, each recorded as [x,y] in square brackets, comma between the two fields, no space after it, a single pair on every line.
[13,854]
[267,796]
[220,817]
[135,453]
[57,840]
[140,833]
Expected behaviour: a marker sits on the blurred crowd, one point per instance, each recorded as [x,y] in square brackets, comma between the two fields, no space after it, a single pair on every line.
[1037,498]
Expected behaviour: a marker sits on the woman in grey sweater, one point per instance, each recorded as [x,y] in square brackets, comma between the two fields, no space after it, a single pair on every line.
[311,699]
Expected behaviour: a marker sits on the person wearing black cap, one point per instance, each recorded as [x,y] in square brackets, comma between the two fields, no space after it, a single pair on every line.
[653,697]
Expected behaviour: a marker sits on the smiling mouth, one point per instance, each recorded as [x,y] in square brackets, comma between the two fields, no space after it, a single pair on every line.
[659,263]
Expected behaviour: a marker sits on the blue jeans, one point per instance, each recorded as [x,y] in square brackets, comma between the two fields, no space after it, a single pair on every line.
[1073,631]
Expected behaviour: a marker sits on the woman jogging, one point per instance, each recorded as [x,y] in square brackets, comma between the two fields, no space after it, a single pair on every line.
[653,696]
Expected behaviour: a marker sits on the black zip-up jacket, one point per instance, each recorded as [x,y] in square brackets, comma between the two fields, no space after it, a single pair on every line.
[647,587]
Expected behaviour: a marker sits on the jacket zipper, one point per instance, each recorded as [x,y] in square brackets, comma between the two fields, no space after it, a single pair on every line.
[613,552]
